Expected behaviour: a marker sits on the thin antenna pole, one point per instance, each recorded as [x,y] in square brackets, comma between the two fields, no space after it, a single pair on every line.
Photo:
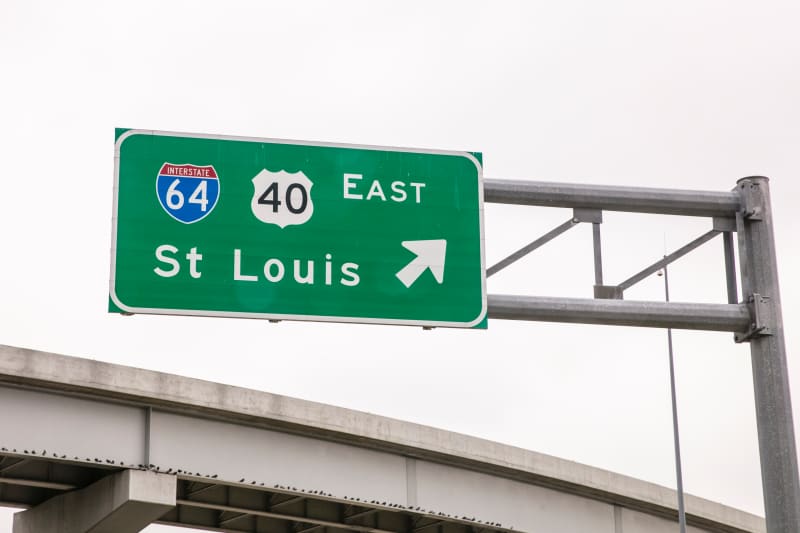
[675,435]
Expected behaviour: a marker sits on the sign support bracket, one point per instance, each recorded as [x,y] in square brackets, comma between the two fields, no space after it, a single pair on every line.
[758,321]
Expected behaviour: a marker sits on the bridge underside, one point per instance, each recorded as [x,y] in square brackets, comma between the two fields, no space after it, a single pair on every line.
[124,502]
[33,480]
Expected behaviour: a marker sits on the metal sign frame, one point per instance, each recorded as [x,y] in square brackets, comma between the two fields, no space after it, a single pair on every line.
[746,211]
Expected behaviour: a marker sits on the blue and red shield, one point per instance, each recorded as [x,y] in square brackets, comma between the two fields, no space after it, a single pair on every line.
[187,193]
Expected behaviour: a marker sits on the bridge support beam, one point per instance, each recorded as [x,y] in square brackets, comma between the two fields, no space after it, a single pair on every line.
[125,502]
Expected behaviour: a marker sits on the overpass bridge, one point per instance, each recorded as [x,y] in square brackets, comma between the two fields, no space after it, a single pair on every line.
[87,446]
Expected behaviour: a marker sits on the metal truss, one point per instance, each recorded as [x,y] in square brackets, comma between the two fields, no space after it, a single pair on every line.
[595,217]
[745,211]
[740,211]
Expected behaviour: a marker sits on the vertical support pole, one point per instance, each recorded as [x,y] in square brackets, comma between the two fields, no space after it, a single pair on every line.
[730,268]
[776,440]
[598,255]
[676,438]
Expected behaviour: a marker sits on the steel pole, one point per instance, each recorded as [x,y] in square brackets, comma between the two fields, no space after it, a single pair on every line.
[676,438]
[678,315]
[776,440]
[612,198]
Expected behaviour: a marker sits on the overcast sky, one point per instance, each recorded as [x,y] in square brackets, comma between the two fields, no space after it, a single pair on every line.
[685,94]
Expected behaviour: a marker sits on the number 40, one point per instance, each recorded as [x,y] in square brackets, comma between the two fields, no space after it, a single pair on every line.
[270,197]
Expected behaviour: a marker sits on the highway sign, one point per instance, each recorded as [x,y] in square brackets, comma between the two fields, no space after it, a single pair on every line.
[262,228]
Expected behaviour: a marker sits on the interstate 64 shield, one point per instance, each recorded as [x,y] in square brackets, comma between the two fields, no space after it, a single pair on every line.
[260,228]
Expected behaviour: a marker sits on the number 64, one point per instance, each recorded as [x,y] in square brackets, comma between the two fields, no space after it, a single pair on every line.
[199,196]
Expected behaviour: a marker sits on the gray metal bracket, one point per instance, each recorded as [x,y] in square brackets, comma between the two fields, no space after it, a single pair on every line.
[724,224]
[595,216]
[762,316]
[608,292]
[752,198]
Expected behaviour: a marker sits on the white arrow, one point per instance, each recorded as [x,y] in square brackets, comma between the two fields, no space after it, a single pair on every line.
[430,255]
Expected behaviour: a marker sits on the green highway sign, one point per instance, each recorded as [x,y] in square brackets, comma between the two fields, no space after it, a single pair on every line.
[260,228]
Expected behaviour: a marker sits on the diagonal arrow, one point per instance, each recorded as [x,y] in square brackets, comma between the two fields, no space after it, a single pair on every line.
[430,255]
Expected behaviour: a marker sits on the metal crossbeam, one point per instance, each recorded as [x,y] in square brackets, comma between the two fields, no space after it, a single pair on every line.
[661,263]
[525,250]
[611,198]
[279,516]
[201,490]
[287,502]
[426,526]
[309,529]
[712,317]
[37,483]
[12,466]
[232,519]
[360,514]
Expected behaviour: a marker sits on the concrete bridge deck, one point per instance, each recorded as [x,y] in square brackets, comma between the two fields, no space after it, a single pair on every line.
[96,447]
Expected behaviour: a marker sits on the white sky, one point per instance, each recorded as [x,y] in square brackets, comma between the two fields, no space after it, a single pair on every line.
[684,94]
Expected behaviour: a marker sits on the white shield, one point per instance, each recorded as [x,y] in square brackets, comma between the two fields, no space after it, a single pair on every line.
[282,198]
